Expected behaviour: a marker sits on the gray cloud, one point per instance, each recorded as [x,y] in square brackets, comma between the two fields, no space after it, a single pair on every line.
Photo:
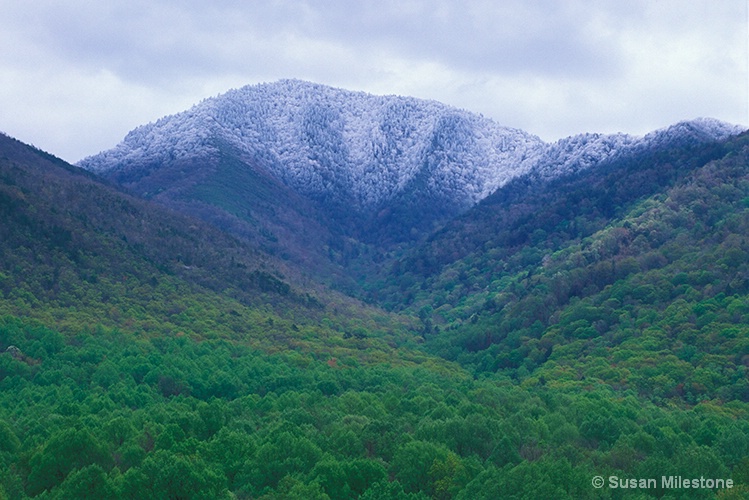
[510,37]
[82,73]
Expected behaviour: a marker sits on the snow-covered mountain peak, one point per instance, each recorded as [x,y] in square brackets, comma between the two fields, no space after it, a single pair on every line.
[582,151]
[696,130]
[319,139]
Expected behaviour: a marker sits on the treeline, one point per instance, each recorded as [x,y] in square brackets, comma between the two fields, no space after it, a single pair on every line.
[102,414]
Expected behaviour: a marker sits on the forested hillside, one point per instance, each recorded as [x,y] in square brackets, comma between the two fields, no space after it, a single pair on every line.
[593,324]
[595,281]
[104,414]
[76,253]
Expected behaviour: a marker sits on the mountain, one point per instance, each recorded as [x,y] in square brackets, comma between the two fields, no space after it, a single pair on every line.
[330,179]
[315,175]
[584,319]
[572,154]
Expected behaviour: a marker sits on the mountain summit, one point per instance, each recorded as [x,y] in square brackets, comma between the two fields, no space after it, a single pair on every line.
[334,145]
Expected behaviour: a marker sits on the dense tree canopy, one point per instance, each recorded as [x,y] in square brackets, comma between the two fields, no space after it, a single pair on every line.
[88,417]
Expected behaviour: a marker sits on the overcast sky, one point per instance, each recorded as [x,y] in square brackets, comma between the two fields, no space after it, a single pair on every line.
[77,75]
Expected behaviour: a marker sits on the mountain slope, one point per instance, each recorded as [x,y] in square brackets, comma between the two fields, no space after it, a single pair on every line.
[75,253]
[652,300]
[318,176]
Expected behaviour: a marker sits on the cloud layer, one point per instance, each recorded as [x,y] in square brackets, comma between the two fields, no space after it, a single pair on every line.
[81,74]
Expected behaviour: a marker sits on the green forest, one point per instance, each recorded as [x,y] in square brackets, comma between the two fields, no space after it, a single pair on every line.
[600,328]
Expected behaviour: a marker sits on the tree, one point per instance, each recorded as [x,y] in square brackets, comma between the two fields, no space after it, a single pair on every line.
[90,482]
[332,477]
[412,463]
[166,475]
[448,475]
[8,440]
[284,454]
[66,451]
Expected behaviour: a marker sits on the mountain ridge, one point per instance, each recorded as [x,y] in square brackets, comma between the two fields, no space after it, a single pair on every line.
[326,177]
[379,139]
